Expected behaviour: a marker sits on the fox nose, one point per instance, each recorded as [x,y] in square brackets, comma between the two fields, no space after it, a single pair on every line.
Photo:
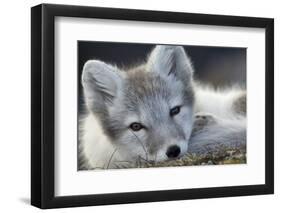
[173,151]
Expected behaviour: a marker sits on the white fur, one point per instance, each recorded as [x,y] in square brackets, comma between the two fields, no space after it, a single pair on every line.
[96,147]
[102,85]
[101,153]
[216,102]
[229,128]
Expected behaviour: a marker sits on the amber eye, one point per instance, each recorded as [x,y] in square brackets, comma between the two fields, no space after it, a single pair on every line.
[175,110]
[136,126]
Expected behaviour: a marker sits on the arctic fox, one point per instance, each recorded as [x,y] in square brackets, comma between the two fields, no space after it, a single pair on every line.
[154,112]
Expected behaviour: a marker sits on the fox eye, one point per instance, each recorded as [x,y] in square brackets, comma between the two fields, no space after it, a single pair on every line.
[175,110]
[136,126]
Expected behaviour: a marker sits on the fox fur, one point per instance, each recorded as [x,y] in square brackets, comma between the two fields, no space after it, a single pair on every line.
[173,113]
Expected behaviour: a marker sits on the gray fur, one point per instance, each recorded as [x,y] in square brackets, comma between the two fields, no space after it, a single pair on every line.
[173,61]
[210,132]
[101,82]
[146,94]
[240,104]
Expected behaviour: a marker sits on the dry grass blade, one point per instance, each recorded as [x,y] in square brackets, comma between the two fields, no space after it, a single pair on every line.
[146,154]
[110,159]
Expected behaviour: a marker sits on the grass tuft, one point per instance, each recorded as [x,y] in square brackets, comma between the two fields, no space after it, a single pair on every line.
[223,155]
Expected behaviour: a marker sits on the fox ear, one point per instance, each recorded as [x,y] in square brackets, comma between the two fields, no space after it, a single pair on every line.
[101,83]
[170,61]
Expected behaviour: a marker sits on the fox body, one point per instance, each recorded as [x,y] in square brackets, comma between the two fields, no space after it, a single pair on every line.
[154,112]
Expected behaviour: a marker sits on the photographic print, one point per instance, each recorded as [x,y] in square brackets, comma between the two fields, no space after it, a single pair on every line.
[155,101]
[160,105]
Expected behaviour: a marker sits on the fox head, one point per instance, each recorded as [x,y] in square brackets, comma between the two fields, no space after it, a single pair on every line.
[146,112]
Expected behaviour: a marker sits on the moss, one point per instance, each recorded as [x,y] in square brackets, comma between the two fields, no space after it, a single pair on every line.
[221,156]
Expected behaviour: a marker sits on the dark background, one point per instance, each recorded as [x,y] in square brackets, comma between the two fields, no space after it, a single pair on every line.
[217,66]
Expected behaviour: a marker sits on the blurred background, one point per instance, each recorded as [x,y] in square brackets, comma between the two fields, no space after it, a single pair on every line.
[217,66]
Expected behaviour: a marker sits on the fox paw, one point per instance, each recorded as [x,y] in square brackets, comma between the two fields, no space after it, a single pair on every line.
[240,104]
[203,120]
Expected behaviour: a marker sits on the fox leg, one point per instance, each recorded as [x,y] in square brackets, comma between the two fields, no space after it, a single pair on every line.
[201,121]
[240,104]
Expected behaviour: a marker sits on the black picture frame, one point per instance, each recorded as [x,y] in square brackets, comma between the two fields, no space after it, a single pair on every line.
[43,102]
